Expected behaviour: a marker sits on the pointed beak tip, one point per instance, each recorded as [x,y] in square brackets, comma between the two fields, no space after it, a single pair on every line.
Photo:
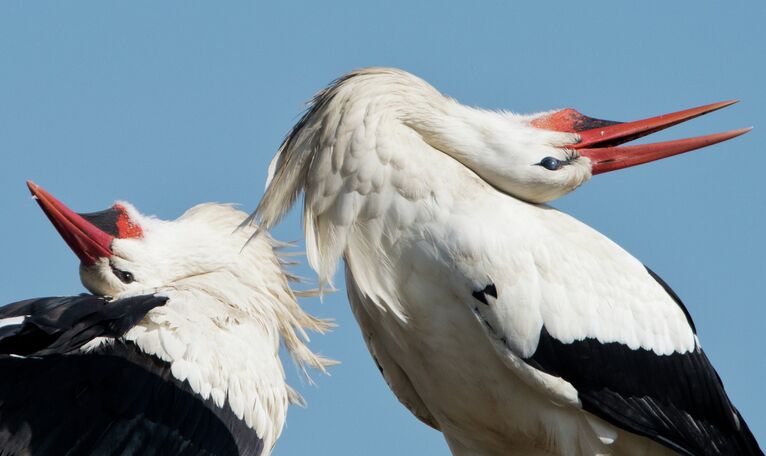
[87,241]
[716,106]
[731,134]
[36,191]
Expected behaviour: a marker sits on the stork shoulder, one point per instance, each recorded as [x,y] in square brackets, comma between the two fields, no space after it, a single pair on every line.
[224,354]
[550,269]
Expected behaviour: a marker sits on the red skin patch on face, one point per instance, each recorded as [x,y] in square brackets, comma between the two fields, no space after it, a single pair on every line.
[569,121]
[125,226]
[563,120]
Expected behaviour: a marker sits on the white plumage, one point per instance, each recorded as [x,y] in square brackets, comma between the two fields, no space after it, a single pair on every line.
[461,280]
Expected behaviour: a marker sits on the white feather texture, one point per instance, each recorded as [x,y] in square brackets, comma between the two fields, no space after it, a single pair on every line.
[428,201]
[228,309]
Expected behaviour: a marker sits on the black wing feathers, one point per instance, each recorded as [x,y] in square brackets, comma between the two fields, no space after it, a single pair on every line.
[123,402]
[64,324]
[677,400]
[56,399]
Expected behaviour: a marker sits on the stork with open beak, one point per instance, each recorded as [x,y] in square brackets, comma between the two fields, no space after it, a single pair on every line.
[175,352]
[511,327]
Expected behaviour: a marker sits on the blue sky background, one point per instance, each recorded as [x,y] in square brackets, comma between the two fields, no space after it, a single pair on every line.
[168,104]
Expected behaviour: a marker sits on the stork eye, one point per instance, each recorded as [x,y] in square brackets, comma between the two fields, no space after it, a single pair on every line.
[124,276]
[551,163]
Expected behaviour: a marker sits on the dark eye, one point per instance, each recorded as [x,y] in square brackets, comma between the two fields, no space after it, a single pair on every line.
[124,276]
[551,163]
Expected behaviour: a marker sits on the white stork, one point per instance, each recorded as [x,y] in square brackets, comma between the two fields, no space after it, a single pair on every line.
[176,351]
[511,327]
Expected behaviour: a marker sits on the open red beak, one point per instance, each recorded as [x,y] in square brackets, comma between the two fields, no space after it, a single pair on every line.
[599,138]
[86,240]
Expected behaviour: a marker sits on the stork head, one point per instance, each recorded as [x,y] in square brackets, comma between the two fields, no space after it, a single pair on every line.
[598,141]
[541,157]
[123,251]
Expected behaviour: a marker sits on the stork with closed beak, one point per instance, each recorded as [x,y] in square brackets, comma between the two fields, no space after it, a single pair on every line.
[175,352]
[511,327]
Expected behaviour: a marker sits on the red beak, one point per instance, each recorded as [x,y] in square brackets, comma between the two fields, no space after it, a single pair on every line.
[599,138]
[86,240]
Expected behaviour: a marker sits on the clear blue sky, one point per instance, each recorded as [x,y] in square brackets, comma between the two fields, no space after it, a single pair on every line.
[168,104]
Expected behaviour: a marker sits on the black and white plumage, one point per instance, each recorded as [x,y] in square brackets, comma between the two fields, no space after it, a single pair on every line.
[509,326]
[175,353]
